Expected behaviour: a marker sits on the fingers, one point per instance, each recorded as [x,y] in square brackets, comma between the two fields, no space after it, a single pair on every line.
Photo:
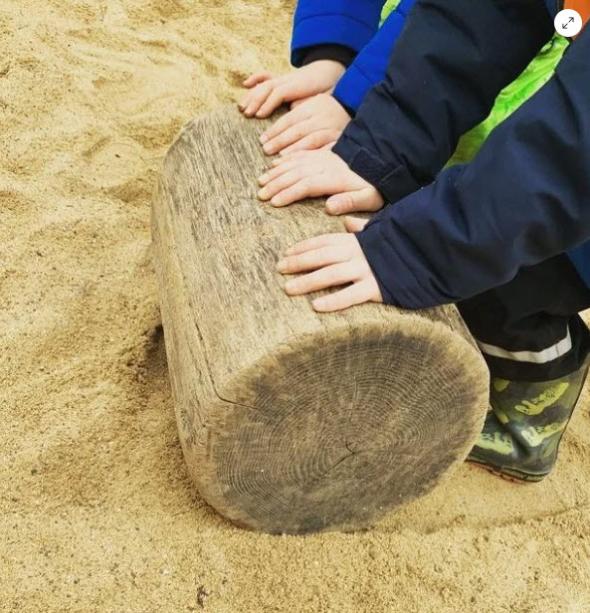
[295,179]
[329,276]
[274,173]
[357,293]
[316,173]
[280,184]
[302,188]
[331,260]
[311,126]
[282,124]
[312,260]
[256,97]
[289,136]
[366,199]
[276,97]
[315,243]
[315,140]
[302,152]
[289,157]
[257,77]
[355,224]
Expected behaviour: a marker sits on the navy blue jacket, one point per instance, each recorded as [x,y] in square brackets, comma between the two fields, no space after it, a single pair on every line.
[526,195]
[353,24]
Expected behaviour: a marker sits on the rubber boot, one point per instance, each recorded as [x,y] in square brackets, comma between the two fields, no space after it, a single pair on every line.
[522,431]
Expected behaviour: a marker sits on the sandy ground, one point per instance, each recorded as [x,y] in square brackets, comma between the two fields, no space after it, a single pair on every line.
[96,511]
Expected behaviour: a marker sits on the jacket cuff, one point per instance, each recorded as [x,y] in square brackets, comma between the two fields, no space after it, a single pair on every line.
[336,53]
[393,183]
[352,88]
[395,279]
[330,28]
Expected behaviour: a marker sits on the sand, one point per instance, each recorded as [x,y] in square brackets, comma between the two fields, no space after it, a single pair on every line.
[96,511]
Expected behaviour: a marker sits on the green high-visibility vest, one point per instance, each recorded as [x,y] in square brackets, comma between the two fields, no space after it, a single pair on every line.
[538,72]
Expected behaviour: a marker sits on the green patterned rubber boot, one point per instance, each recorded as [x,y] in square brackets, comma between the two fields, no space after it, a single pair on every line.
[523,429]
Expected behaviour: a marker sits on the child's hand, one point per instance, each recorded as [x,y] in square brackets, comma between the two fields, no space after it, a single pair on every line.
[309,174]
[336,260]
[267,93]
[312,124]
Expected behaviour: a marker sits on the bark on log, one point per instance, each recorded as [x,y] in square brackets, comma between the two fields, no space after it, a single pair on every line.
[291,421]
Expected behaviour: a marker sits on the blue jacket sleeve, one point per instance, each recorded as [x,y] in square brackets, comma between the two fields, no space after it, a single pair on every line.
[523,199]
[351,23]
[448,65]
[370,65]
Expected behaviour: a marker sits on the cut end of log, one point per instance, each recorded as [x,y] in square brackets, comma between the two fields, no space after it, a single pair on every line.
[333,432]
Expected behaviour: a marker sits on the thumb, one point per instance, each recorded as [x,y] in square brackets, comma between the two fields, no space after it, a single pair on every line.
[354,224]
[366,199]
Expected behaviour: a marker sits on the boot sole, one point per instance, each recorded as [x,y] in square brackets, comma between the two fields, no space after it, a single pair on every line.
[508,475]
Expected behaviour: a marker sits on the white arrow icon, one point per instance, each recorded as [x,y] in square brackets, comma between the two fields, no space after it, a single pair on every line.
[568,23]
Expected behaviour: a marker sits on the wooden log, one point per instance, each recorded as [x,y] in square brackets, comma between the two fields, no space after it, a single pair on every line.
[292,421]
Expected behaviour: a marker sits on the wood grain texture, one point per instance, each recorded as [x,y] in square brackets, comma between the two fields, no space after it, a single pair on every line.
[292,421]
